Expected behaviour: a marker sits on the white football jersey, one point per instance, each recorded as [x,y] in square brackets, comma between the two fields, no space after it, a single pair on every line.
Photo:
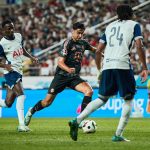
[12,50]
[119,37]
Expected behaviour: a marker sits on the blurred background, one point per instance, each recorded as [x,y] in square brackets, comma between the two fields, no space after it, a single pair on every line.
[45,23]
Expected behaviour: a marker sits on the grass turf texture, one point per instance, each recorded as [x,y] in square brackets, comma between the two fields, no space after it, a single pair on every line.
[53,134]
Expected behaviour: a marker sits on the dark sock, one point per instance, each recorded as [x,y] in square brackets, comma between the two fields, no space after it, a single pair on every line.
[38,106]
[85,102]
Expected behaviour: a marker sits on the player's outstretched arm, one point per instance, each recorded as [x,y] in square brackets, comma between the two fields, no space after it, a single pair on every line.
[99,54]
[141,54]
[27,54]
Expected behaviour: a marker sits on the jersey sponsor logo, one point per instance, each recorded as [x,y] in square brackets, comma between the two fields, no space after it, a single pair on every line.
[73,48]
[78,47]
[108,60]
[17,53]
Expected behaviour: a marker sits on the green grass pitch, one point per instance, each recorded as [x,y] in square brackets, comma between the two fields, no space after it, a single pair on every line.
[53,134]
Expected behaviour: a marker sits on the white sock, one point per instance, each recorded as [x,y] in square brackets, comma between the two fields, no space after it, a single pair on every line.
[92,106]
[20,108]
[2,103]
[126,110]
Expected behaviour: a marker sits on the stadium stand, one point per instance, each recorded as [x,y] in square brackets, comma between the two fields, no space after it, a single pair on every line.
[45,23]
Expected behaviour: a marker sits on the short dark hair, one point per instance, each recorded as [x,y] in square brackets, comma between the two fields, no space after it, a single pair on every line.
[124,12]
[78,25]
[8,21]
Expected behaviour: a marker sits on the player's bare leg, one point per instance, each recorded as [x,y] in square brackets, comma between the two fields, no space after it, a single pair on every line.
[10,97]
[87,90]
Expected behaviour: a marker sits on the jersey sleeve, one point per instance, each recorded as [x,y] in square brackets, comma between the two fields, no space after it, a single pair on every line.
[22,41]
[87,45]
[64,49]
[137,32]
[103,39]
[1,51]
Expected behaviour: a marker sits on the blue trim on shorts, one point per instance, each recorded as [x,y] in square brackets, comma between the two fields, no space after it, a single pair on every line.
[12,78]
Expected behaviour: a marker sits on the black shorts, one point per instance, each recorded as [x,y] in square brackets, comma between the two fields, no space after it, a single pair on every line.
[60,82]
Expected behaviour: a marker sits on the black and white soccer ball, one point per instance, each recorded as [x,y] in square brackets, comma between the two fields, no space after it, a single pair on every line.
[89,126]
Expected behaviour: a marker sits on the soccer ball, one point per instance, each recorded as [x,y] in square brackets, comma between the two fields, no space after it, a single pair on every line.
[89,126]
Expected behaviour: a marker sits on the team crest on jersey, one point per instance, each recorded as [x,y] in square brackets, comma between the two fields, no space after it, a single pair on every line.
[52,90]
[17,53]
[9,48]
[64,52]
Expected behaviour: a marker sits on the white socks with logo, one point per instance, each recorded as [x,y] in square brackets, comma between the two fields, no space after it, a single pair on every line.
[20,108]
[126,110]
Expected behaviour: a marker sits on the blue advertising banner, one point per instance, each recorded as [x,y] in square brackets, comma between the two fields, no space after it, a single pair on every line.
[68,104]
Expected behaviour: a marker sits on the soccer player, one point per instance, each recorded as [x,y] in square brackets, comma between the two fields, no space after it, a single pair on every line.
[67,71]
[117,75]
[12,51]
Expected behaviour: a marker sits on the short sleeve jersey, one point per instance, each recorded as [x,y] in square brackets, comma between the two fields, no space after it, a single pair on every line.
[73,52]
[119,37]
[12,51]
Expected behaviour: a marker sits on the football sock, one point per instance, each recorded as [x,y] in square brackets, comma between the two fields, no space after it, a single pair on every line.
[92,106]
[126,110]
[85,102]
[38,106]
[20,109]
[2,103]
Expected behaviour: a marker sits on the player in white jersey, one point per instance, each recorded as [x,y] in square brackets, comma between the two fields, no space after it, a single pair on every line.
[12,50]
[117,75]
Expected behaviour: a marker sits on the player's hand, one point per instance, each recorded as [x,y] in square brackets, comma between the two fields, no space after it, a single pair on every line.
[8,67]
[144,75]
[71,70]
[35,60]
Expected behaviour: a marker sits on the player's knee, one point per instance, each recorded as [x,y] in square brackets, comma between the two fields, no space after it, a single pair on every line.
[45,103]
[89,92]
[8,104]
[128,97]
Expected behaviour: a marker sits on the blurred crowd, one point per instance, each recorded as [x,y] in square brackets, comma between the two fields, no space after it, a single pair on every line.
[46,24]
